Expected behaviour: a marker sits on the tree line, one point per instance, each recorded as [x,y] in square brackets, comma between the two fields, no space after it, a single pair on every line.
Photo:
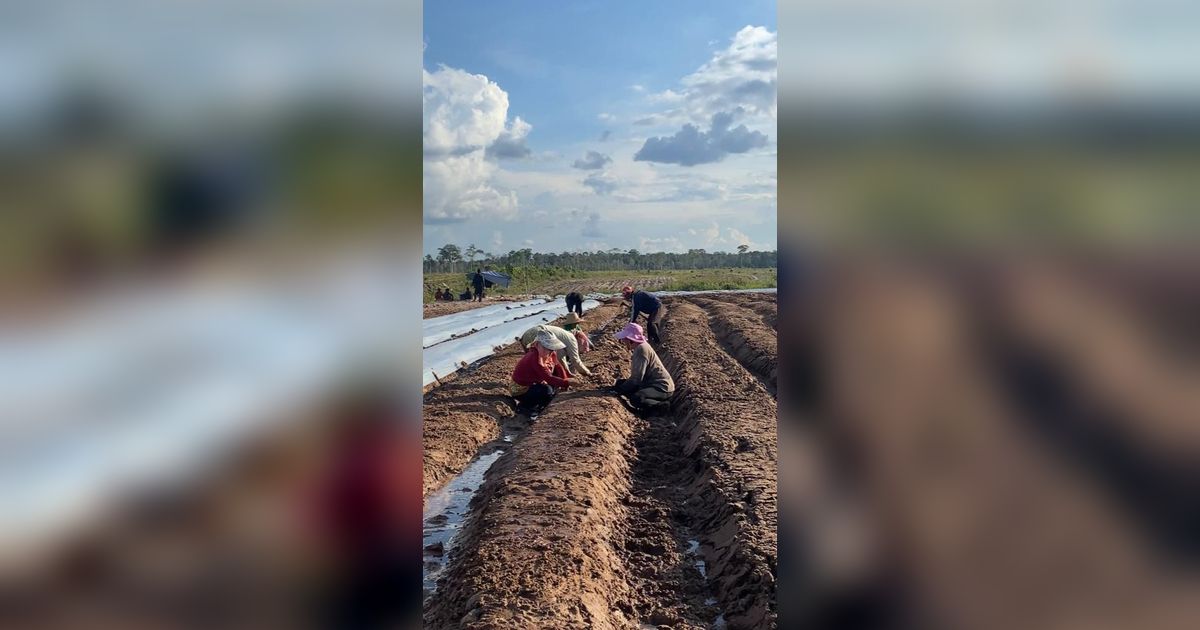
[451,258]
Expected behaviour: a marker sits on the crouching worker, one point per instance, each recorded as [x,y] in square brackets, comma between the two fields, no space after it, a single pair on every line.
[649,386]
[538,375]
[574,343]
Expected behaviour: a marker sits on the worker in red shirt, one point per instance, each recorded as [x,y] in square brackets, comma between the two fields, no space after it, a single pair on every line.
[538,375]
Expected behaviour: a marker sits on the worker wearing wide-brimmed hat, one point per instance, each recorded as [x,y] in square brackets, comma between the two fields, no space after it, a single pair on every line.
[649,386]
[648,303]
[574,343]
[539,374]
[571,321]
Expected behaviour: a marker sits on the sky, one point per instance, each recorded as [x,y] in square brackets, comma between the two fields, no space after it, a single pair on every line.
[584,126]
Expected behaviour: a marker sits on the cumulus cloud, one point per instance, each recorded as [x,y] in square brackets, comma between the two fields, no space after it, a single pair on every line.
[691,146]
[606,117]
[601,183]
[591,227]
[742,75]
[653,245]
[511,143]
[592,161]
[710,237]
[739,82]
[464,117]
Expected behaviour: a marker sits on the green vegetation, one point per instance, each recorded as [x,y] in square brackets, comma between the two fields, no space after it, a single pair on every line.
[557,280]
[452,258]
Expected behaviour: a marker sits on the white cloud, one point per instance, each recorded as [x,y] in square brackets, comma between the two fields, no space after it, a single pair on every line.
[464,114]
[637,87]
[742,75]
[669,245]
[591,227]
[737,83]
[497,239]
[601,183]
[511,143]
[606,117]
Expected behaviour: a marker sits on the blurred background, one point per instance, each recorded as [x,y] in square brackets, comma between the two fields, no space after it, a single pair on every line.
[209,254]
[988,215]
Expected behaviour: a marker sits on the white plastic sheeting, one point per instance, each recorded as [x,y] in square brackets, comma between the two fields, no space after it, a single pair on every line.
[477,319]
[446,358]
[150,388]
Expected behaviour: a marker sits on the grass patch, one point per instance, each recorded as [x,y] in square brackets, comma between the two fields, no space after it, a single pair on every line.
[558,281]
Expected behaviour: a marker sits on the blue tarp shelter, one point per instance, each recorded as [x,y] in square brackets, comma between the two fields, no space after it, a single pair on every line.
[492,278]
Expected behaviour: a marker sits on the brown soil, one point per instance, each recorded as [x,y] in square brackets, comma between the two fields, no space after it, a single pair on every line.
[742,333]
[586,521]
[988,519]
[469,411]
[437,309]
[764,305]
[728,423]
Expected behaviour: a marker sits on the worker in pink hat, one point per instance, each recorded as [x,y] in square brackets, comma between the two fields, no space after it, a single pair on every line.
[649,386]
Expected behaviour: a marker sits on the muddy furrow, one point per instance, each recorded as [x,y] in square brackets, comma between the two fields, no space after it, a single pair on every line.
[985,525]
[727,428]
[470,411]
[1141,442]
[742,334]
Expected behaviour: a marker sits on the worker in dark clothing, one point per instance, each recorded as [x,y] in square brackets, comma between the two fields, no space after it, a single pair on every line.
[477,283]
[650,305]
[575,302]
[465,296]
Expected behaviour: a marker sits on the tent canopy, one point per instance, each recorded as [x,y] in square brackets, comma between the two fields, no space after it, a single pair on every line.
[492,278]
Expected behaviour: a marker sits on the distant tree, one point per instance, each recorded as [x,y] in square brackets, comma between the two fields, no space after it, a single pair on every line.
[472,252]
[742,249]
[449,254]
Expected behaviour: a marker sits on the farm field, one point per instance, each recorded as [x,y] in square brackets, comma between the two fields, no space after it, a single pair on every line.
[560,282]
[961,442]
[659,521]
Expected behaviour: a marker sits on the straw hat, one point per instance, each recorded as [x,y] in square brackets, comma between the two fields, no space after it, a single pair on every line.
[572,318]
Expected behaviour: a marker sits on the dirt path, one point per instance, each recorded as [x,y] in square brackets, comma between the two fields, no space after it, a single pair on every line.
[469,411]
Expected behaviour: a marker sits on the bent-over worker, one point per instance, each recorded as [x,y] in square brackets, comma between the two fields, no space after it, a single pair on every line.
[575,303]
[538,376]
[649,386]
[573,344]
[648,303]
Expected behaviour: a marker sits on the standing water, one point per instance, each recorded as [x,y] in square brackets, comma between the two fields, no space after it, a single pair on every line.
[445,512]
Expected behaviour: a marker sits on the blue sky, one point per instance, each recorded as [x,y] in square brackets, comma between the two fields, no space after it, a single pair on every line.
[592,125]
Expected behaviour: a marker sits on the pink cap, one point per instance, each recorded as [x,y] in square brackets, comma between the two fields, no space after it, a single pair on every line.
[632,332]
